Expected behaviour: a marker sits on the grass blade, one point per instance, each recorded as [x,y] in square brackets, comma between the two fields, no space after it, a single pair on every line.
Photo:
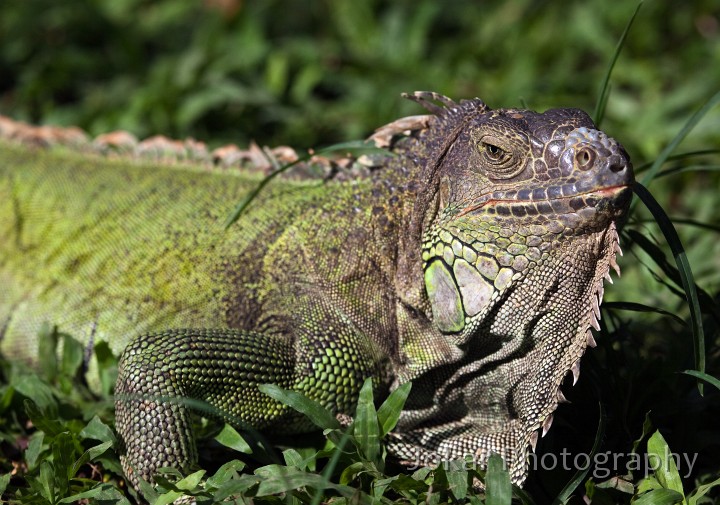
[686,276]
[605,87]
[701,491]
[389,412]
[330,468]
[687,168]
[688,222]
[707,378]
[671,274]
[318,414]
[580,475]
[639,307]
[689,125]
[351,146]
[366,428]
[679,156]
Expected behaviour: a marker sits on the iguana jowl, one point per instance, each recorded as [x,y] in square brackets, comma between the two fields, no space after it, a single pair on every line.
[470,263]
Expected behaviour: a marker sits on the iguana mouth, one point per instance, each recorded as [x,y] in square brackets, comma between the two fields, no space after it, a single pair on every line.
[520,207]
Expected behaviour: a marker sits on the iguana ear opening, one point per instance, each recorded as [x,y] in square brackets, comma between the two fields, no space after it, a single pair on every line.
[444,192]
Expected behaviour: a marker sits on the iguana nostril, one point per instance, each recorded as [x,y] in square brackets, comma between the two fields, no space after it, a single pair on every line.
[618,166]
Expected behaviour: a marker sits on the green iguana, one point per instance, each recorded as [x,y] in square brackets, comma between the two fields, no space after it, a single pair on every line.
[470,261]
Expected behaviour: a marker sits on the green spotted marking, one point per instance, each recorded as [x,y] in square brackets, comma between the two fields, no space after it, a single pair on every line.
[476,291]
[447,309]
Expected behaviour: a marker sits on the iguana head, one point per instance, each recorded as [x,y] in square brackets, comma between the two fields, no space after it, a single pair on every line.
[513,185]
[518,230]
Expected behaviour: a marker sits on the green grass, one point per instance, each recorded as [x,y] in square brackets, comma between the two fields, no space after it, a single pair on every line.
[311,73]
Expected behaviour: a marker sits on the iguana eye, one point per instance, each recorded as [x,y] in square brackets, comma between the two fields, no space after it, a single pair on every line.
[499,157]
[494,152]
[499,160]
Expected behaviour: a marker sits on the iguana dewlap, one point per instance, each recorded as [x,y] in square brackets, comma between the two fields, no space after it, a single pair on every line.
[470,261]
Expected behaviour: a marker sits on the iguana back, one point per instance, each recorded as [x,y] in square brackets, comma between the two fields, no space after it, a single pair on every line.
[111,249]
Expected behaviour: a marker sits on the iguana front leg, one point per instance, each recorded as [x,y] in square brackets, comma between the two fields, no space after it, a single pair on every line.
[220,367]
[223,368]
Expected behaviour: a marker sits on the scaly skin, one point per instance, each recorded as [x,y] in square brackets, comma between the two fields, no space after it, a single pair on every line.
[470,263]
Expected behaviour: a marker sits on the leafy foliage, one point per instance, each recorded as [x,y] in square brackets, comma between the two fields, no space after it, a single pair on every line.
[311,73]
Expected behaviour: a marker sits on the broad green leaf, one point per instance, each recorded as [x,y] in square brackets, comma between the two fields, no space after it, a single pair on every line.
[617,482]
[475,500]
[6,397]
[72,355]
[365,426]
[107,367]
[102,493]
[497,481]
[229,437]
[665,470]
[97,430]
[318,414]
[225,472]
[293,458]
[64,454]
[4,481]
[421,473]
[48,361]
[147,490]
[433,497]
[191,481]
[379,486]
[457,477]
[648,484]
[646,428]
[88,456]
[405,483]
[167,498]
[659,497]
[389,412]
[33,388]
[233,487]
[46,481]
[280,479]
[33,449]
[351,471]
